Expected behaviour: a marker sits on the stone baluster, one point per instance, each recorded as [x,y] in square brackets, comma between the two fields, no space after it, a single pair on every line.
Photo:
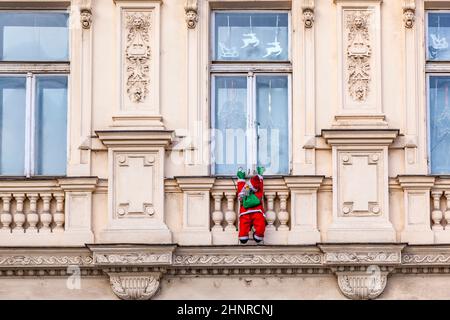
[5,216]
[59,216]
[32,216]
[447,211]
[271,216]
[436,215]
[230,214]
[19,216]
[217,215]
[46,216]
[283,215]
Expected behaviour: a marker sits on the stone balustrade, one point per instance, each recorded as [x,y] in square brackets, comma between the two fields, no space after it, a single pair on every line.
[225,208]
[41,212]
[46,212]
[440,210]
[210,210]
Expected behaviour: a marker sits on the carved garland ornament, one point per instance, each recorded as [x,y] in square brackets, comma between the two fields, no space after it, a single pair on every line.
[133,258]
[426,259]
[363,257]
[248,259]
[46,260]
[359,53]
[138,55]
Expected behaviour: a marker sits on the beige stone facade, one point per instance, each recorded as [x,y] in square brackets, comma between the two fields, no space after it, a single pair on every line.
[140,213]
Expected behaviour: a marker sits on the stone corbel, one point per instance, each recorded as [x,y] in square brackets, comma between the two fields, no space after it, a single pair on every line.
[85,9]
[367,284]
[308,17]
[135,286]
[191,11]
[308,13]
[362,270]
[86,17]
[409,13]
[120,263]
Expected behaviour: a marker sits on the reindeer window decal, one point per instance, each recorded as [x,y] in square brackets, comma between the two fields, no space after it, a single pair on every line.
[251,36]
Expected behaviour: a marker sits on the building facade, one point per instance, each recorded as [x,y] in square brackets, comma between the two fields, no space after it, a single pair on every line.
[123,123]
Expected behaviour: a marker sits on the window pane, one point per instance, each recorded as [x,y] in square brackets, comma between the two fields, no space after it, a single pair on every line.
[34,36]
[440,124]
[12,126]
[51,126]
[251,36]
[272,99]
[230,143]
[438,36]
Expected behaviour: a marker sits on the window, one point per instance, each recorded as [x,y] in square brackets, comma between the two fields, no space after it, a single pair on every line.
[34,67]
[251,91]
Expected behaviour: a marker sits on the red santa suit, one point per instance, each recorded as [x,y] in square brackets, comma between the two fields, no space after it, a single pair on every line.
[253,216]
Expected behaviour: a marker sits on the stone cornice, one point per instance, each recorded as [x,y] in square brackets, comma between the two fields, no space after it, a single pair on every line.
[326,256]
[258,256]
[135,271]
[131,138]
[366,137]
[132,255]
[362,254]
[50,257]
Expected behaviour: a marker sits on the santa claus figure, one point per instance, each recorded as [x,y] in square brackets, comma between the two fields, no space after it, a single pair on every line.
[251,210]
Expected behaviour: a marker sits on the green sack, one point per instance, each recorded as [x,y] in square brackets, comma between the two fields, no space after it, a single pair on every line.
[251,201]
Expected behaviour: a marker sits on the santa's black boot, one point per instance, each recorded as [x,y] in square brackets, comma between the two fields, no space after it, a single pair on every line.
[243,241]
[258,240]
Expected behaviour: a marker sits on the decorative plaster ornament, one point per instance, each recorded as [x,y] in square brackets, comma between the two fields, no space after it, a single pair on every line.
[138,54]
[228,52]
[359,54]
[191,11]
[274,48]
[438,42]
[308,17]
[250,39]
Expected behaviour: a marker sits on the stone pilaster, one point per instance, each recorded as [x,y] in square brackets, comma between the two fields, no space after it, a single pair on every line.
[136,186]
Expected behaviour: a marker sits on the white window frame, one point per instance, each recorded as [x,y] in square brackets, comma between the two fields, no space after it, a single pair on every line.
[429,157]
[31,70]
[251,70]
[427,12]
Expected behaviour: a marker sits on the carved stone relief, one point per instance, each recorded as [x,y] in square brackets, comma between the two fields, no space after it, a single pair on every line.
[141,286]
[86,18]
[362,285]
[308,17]
[359,54]
[191,10]
[138,55]
[409,17]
